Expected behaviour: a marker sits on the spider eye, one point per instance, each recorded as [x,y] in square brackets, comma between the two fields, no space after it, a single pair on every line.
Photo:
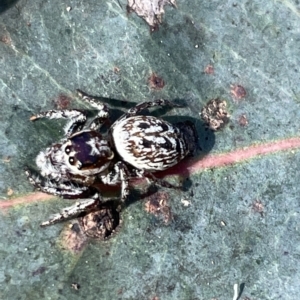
[71,160]
[68,149]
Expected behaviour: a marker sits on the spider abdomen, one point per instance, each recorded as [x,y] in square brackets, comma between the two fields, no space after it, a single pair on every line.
[152,144]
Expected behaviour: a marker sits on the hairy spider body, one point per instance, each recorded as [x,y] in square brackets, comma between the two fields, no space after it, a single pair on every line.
[148,143]
[135,146]
[83,154]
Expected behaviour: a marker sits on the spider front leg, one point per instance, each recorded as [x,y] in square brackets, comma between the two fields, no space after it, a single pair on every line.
[82,206]
[76,118]
[62,189]
[103,111]
[138,108]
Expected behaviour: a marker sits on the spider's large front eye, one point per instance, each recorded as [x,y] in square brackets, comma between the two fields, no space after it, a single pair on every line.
[68,149]
[71,160]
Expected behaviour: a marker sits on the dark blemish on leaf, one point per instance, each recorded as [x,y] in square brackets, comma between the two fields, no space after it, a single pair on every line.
[39,271]
[154,28]
[157,204]
[102,223]
[5,39]
[243,121]
[75,228]
[116,69]
[155,82]
[258,207]
[62,101]
[120,291]
[129,10]
[238,92]
[209,69]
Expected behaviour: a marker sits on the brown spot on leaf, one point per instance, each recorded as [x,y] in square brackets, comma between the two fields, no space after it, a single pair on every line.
[154,28]
[209,69]
[39,271]
[5,39]
[62,102]
[238,92]
[116,69]
[157,204]
[102,223]
[258,207]
[155,82]
[73,239]
[243,121]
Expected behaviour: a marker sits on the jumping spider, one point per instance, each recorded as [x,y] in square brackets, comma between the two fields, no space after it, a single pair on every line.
[135,146]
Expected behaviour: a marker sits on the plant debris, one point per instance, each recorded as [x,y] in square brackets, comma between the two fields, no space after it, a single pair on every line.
[102,223]
[155,82]
[150,10]
[157,204]
[215,114]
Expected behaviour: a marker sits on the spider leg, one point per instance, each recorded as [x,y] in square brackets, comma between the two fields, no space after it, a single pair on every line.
[82,206]
[119,174]
[138,108]
[124,176]
[103,111]
[76,118]
[155,180]
[62,189]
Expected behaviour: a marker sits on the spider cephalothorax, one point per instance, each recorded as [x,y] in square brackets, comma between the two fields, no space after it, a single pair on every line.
[79,157]
[135,146]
